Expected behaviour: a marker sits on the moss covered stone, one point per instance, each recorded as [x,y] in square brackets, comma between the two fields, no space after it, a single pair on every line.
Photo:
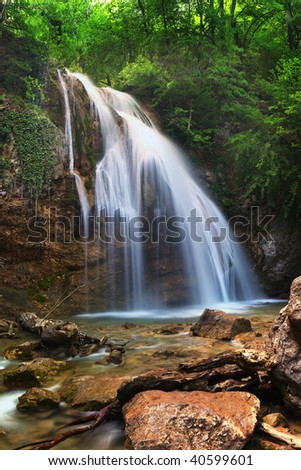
[33,374]
[38,399]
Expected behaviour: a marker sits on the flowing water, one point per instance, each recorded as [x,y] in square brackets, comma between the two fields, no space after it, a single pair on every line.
[149,346]
[85,207]
[144,183]
[143,176]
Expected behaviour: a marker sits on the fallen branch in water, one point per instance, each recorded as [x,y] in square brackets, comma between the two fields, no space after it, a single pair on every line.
[97,418]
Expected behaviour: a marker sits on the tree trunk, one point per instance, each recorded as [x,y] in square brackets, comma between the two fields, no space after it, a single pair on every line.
[221,7]
[293,33]
[201,15]
[232,9]
[3,5]
[142,9]
[212,22]
[164,17]
[233,21]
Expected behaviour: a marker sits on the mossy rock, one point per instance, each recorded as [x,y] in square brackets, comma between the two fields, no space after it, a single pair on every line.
[38,399]
[33,373]
[24,351]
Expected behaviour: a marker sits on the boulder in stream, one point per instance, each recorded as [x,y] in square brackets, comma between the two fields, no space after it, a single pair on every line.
[33,373]
[190,420]
[25,351]
[60,334]
[38,399]
[218,324]
[91,393]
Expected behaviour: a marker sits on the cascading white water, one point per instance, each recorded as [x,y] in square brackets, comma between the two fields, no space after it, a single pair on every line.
[85,208]
[140,163]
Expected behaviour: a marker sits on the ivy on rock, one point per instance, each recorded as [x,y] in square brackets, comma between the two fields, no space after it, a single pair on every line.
[34,137]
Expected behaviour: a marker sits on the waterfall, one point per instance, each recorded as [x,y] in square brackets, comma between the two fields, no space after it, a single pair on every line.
[85,208]
[144,177]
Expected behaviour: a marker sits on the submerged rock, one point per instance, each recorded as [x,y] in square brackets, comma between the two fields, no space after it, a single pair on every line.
[38,399]
[33,373]
[220,325]
[190,420]
[116,356]
[285,335]
[169,330]
[91,393]
[24,352]
[253,340]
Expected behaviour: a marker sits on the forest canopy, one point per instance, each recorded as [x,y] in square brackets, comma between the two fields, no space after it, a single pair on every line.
[224,76]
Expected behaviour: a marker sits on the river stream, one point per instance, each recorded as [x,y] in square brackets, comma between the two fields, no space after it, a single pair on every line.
[154,339]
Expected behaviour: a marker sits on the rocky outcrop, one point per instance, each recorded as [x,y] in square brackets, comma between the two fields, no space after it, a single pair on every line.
[286,342]
[33,373]
[41,256]
[278,257]
[38,399]
[190,420]
[91,393]
[220,325]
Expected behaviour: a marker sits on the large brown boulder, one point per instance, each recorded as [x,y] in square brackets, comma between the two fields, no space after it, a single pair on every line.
[91,393]
[220,325]
[190,420]
[285,335]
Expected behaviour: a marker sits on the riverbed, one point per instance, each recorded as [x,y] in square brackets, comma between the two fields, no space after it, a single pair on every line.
[152,339]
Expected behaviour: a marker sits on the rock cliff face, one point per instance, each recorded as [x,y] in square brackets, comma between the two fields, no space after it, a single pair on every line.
[279,260]
[42,255]
[286,340]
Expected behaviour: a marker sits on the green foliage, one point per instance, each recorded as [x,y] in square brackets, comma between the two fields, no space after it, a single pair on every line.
[143,76]
[88,184]
[4,165]
[34,138]
[34,90]
[224,77]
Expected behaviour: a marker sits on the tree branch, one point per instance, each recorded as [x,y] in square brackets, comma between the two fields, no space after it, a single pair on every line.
[57,305]
[97,418]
